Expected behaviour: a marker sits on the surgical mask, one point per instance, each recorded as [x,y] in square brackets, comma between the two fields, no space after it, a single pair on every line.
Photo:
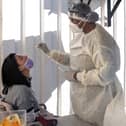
[75,28]
[29,63]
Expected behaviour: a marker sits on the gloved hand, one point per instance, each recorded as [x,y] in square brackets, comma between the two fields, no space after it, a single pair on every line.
[43,47]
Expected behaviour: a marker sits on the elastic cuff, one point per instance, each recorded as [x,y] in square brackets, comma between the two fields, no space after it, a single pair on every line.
[75,76]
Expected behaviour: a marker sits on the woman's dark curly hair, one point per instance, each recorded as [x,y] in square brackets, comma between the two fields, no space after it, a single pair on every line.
[11,75]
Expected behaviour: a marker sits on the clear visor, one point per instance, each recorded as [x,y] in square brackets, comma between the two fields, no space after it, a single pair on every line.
[75,16]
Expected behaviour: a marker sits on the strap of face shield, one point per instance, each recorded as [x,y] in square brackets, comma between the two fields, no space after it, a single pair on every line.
[92,17]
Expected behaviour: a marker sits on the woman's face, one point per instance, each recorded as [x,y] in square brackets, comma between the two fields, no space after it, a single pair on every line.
[21,59]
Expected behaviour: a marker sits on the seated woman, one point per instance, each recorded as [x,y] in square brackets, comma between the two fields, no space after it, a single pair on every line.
[17,85]
[17,82]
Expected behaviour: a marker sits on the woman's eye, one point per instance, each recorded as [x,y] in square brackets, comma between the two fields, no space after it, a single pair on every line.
[20,57]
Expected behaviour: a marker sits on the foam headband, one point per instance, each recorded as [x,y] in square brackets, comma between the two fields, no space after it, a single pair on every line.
[90,17]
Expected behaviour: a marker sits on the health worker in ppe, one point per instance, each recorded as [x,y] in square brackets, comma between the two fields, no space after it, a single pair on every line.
[94,60]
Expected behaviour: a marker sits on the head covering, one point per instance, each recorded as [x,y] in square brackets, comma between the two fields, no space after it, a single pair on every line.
[82,12]
[11,75]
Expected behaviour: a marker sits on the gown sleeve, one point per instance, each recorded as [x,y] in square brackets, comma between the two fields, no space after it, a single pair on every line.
[60,57]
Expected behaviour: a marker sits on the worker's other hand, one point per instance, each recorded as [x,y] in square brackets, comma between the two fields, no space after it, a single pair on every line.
[69,75]
[43,47]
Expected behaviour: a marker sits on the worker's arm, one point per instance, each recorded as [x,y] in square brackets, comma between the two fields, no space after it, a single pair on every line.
[60,57]
[106,67]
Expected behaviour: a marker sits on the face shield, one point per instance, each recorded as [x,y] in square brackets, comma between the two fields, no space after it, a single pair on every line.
[82,12]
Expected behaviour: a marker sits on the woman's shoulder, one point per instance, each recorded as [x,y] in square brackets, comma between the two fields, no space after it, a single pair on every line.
[20,88]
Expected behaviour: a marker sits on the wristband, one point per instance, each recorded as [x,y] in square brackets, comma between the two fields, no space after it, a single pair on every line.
[75,76]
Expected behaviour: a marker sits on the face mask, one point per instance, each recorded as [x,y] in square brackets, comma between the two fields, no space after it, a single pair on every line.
[84,25]
[75,28]
[29,63]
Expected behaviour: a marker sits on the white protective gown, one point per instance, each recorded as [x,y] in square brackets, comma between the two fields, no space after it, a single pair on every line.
[97,94]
